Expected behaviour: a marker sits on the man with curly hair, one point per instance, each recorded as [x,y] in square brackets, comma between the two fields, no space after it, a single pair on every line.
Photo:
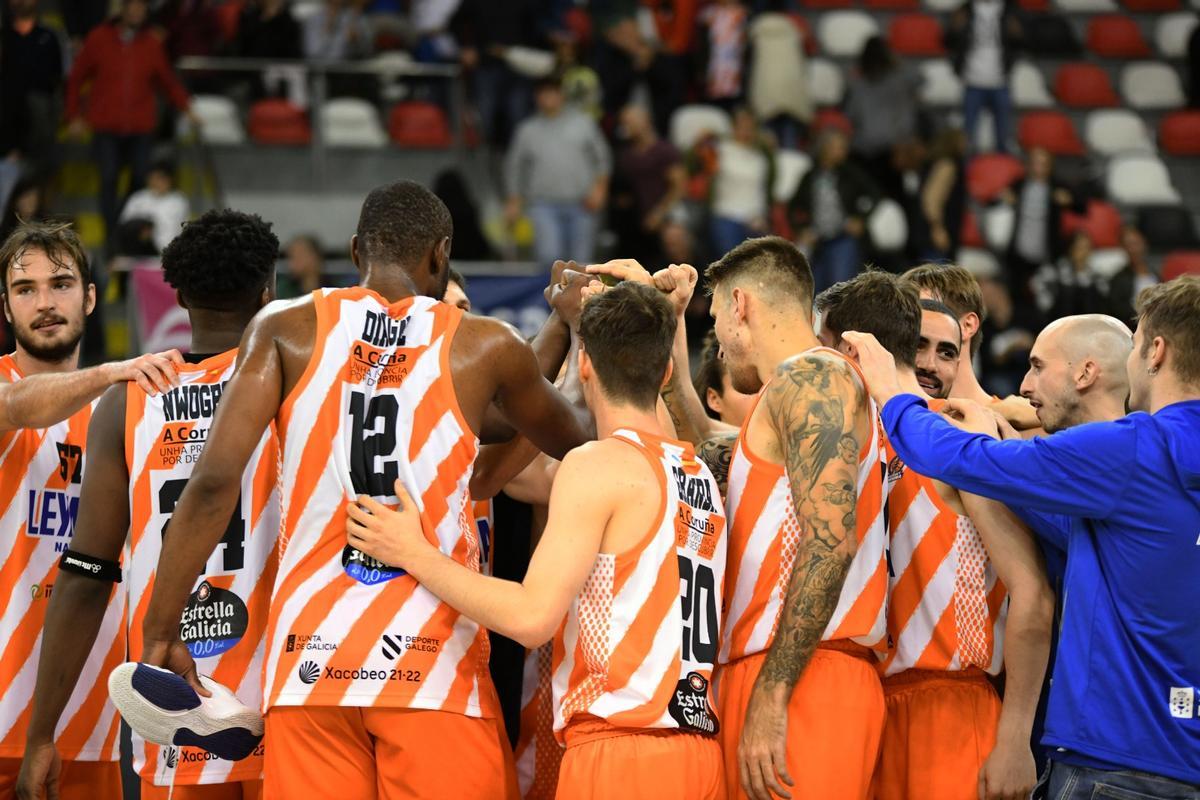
[142,449]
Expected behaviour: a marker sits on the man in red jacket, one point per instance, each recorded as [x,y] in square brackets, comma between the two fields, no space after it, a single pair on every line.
[124,63]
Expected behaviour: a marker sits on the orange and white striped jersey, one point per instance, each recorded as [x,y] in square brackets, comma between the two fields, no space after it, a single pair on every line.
[40,475]
[538,753]
[764,536]
[946,606]
[638,645]
[225,620]
[375,404]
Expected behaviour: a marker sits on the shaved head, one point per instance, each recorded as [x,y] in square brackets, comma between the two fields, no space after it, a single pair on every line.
[1077,371]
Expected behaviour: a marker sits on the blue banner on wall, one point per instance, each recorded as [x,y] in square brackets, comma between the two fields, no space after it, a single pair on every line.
[516,299]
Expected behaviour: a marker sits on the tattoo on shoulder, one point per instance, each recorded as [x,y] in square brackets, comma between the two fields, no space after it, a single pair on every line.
[717,453]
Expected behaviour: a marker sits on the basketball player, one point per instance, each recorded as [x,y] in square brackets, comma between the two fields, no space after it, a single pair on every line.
[967,595]
[712,385]
[143,448]
[800,697]
[373,687]
[938,350]
[633,556]
[44,414]
[456,291]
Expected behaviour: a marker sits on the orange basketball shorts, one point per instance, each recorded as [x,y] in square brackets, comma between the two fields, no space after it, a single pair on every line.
[339,753]
[835,720]
[603,762]
[940,728]
[79,780]
[235,790]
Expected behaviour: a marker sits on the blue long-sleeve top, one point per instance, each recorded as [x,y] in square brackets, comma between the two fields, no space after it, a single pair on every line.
[1128,666]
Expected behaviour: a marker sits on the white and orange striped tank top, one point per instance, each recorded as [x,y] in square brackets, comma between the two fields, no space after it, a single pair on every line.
[638,645]
[40,475]
[946,606]
[764,536]
[538,753]
[225,620]
[375,404]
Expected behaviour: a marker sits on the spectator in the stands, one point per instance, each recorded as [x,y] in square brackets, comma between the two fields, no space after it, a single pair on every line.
[470,244]
[983,37]
[339,31]
[1007,335]
[675,25]
[305,265]
[725,26]
[741,186]
[581,84]
[1070,285]
[881,104]
[267,29]
[652,174]
[31,70]
[1137,274]
[160,202]
[1039,200]
[830,209]
[192,28]
[778,85]
[558,169]
[485,30]
[943,198]
[80,17]
[126,67]
[26,203]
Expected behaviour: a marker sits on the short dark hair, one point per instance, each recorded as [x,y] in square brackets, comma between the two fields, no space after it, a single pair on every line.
[400,223]
[459,278]
[879,303]
[627,333]
[939,307]
[57,240]
[711,374]
[222,260]
[1172,310]
[956,287]
[776,259]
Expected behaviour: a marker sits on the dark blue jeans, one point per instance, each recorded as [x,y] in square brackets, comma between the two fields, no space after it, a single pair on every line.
[112,152]
[1067,782]
[835,260]
[500,90]
[999,103]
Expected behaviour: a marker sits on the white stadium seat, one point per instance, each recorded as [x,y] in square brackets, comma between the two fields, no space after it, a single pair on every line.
[351,122]
[887,226]
[842,34]
[1085,6]
[1114,131]
[1151,85]
[941,86]
[1139,180]
[1029,87]
[943,6]
[998,224]
[1172,33]
[790,168]
[690,123]
[220,123]
[979,263]
[825,81]
[304,9]
[1107,261]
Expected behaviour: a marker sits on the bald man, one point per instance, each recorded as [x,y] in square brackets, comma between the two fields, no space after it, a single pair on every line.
[1077,371]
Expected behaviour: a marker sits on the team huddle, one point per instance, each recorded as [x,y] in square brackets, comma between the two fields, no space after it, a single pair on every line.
[789,579]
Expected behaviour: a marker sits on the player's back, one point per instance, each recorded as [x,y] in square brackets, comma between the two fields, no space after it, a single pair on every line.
[40,477]
[375,403]
[225,620]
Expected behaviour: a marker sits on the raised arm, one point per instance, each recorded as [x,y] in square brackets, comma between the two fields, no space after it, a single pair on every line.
[77,606]
[247,407]
[40,401]
[1010,770]
[528,612]
[816,407]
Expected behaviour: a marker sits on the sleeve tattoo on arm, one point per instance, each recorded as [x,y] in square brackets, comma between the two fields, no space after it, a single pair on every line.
[717,453]
[812,403]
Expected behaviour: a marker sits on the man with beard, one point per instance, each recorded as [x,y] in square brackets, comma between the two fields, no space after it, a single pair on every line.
[44,413]
[955,560]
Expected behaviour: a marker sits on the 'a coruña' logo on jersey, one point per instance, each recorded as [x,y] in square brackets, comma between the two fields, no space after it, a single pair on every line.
[214,621]
[308,673]
[690,708]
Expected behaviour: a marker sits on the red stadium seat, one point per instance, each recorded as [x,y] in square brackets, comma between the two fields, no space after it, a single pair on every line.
[806,31]
[1101,222]
[1084,86]
[415,123]
[1179,133]
[894,5]
[579,23]
[1034,5]
[1152,5]
[228,14]
[278,122]
[1116,36]
[1052,130]
[988,175]
[1181,262]
[824,4]
[916,35]
[832,118]
[970,235]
